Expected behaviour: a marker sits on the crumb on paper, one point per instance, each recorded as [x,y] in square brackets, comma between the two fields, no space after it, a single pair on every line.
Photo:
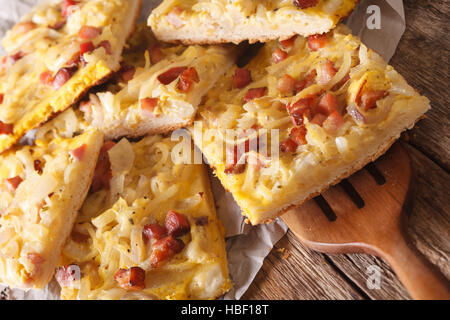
[4,294]
[284,253]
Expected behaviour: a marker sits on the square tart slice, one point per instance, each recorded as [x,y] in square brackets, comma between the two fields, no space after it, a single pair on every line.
[158,88]
[42,188]
[148,229]
[48,69]
[303,116]
[220,21]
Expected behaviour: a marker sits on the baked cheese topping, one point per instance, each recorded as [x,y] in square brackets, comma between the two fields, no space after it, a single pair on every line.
[148,231]
[157,83]
[214,17]
[48,68]
[328,97]
[41,190]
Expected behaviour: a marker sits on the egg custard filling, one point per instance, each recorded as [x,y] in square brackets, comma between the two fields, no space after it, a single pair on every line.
[158,88]
[55,54]
[201,21]
[305,113]
[148,229]
[41,189]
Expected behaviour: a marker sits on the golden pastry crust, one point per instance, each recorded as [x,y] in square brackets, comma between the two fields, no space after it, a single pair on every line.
[202,22]
[123,111]
[144,189]
[47,70]
[335,104]
[35,223]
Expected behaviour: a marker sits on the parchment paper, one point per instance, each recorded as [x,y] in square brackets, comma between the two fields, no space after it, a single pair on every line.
[247,246]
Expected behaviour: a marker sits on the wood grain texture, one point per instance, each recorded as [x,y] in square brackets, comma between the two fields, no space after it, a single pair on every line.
[422,58]
[294,272]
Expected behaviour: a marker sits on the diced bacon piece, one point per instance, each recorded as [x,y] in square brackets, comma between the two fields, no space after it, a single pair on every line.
[149,104]
[17,56]
[235,152]
[79,152]
[170,75]
[24,27]
[13,183]
[165,249]
[306,82]
[286,84]
[89,32]
[369,98]
[328,71]
[333,122]
[36,260]
[2,96]
[58,25]
[279,55]
[288,43]
[298,135]
[177,224]
[318,119]
[6,128]
[86,47]
[127,72]
[67,275]
[38,166]
[327,104]
[66,9]
[62,76]
[235,168]
[187,79]
[102,173]
[191,75]
[132,279]
[174,17]
[317,41]
[288,145]
[156,54]
[46,77]
[153,231]
[303,4]
[3,63]
[232,158]
[105,44]
[241,78]
[255,93]
[302,108]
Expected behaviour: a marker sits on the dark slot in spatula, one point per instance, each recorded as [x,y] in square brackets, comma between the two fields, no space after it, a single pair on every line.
[365,214]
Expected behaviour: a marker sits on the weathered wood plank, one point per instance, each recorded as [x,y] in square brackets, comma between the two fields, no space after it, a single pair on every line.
[429,227]
[429,223]
[422,58]
[303,274]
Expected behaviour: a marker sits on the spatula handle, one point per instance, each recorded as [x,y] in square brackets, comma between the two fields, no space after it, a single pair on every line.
[421,278]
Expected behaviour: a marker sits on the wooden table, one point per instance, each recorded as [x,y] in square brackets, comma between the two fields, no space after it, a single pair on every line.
[293,272]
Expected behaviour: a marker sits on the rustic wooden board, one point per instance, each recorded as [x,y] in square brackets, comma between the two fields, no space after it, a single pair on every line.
[294,272]
[422,58]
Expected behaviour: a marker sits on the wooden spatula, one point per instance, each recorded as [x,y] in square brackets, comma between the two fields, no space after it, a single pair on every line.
[365,214]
